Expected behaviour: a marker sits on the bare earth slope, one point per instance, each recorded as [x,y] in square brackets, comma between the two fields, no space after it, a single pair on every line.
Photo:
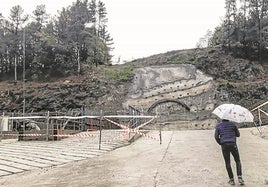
[186,158]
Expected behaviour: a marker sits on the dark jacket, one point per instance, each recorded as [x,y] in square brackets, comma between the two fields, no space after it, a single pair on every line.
[226,131]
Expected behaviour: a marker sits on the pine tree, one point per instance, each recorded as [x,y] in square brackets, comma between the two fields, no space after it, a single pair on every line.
[17,19]
[230,21]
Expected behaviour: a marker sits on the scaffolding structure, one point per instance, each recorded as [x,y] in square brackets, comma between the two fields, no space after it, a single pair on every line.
[53,127]
[261,115]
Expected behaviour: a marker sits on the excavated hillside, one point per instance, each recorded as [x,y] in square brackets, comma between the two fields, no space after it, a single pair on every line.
[105,88]
[242,81]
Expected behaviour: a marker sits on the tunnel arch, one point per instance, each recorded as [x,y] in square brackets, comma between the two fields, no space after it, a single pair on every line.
[167,101]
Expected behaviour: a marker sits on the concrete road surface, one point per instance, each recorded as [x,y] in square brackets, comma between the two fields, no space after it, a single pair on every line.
[188,158]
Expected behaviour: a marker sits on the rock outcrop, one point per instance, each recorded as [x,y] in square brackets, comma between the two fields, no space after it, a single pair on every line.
[177,89]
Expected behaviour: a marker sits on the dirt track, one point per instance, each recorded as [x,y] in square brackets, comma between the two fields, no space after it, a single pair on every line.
[185,158]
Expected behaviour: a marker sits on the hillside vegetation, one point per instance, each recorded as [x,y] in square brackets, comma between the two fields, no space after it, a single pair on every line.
[105,87]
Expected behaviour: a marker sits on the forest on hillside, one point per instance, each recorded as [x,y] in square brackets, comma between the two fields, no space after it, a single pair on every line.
[39,46]
[244,27]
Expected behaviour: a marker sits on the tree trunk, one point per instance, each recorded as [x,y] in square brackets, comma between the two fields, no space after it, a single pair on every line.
[15,68]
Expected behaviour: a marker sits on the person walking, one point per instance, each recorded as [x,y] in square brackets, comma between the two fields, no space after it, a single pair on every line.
[225,135]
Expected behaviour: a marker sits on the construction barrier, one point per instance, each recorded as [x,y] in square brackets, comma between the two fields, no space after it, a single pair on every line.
[135,130]
[58,130]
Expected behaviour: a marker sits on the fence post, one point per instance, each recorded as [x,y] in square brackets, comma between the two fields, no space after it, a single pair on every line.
[47,131]
[2,127]
[100,130]
[21,130]
[160,133]
[159,115]
[100,138]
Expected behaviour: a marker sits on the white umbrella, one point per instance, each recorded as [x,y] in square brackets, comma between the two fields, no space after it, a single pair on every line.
[235,113]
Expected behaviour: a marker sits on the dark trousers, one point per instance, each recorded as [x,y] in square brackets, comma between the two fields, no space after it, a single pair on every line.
[228,148]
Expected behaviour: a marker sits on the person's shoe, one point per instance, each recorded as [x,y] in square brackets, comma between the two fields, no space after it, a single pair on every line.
[231,181]
[240,180]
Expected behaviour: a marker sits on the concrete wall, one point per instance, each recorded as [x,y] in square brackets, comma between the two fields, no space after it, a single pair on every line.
[4,124]
[206,124]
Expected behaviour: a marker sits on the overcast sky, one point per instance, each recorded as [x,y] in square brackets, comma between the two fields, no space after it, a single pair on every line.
[141,28]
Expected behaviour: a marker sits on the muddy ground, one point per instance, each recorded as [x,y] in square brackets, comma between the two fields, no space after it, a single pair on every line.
[188,158]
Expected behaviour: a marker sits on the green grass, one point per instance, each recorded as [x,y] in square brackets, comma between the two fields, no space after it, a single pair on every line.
[122,74]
